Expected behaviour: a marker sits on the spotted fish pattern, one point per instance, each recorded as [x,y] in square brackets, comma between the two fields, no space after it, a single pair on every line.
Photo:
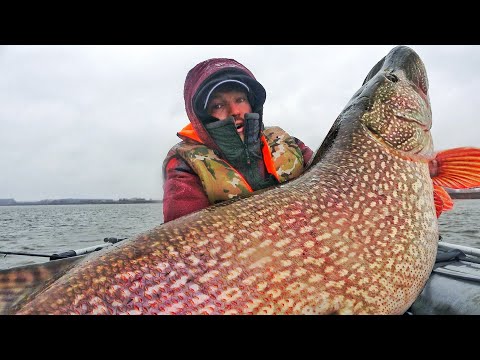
[356,234]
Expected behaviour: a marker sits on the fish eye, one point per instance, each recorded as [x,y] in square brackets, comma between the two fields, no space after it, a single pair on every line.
[392,77]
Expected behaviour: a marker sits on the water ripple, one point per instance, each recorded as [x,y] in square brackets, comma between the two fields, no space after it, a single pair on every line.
[49,229]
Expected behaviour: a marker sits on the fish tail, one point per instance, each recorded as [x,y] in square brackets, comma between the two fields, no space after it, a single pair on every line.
[457,168]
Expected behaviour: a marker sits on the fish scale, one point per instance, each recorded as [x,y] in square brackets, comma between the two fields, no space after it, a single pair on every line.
[355,234]
[240,259]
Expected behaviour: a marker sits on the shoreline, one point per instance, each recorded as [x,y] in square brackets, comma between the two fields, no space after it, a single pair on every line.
[80,202]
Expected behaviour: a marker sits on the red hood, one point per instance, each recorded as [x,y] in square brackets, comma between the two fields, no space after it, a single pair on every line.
[194,80]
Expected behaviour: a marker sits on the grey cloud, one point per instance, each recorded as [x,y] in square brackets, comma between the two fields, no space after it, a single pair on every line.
[97,121]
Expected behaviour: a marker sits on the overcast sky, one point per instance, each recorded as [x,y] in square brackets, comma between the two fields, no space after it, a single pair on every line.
[97,121]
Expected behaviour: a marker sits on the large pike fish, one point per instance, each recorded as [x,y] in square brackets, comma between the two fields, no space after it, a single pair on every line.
[356,234]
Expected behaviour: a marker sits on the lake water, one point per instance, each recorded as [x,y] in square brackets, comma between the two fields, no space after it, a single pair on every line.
[49,229]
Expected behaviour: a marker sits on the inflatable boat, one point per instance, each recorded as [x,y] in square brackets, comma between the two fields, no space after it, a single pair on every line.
[454,285]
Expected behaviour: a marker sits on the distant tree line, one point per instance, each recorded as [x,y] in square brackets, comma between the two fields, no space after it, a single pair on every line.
[6,202]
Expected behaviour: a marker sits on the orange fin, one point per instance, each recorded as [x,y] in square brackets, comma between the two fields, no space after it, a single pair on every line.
[443,201]
[457,168]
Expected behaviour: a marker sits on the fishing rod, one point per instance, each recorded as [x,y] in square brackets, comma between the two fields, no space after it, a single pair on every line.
[22,253]
[70,253]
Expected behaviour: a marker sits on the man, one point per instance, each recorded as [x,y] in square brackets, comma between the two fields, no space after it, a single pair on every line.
[226,151]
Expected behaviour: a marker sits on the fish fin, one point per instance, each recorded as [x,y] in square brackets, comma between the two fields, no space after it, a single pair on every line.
[19,284]
[443,201]
[457,168]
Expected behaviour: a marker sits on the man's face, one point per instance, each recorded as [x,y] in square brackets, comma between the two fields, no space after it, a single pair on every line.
[234,103]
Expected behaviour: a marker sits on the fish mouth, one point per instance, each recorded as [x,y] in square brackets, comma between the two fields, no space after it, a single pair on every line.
[399,112]
[407,61]
[392,107]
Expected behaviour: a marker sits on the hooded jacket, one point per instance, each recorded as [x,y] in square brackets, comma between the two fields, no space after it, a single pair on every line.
[183,189]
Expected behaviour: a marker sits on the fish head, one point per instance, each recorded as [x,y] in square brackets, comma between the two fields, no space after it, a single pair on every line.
[397,106]
[392,106]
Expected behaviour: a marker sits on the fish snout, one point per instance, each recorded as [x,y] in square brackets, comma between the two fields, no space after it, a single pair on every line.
[400,114]
[406,61]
